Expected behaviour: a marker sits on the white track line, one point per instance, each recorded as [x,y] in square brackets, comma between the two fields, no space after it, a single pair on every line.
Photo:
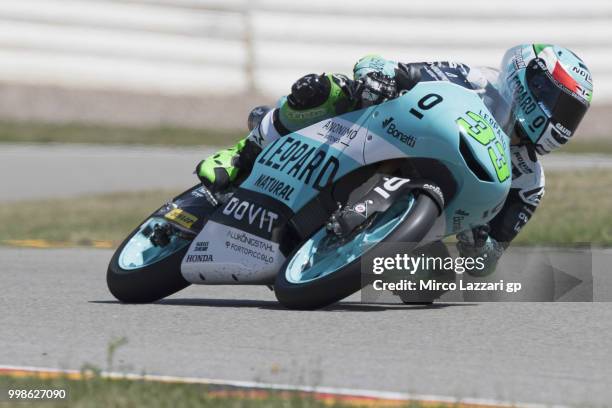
[348,392]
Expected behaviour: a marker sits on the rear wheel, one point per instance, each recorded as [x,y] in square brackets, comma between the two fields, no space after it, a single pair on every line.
[142,272]
[325,270]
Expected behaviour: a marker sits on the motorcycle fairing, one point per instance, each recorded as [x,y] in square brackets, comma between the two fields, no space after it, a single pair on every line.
[293,170]
[288,174]
[231,256]
[402,128]
[189,210]
[411,126]
[241,241]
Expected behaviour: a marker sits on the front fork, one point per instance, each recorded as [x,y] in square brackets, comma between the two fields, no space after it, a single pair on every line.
[378,199]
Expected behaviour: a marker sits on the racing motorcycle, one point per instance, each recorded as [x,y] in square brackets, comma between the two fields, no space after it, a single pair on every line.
[415,169]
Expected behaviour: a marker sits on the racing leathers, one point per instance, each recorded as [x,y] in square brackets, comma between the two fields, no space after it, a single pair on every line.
[317,97]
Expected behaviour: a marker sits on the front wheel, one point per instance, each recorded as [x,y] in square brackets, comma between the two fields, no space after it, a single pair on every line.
[323,270]
[142,272]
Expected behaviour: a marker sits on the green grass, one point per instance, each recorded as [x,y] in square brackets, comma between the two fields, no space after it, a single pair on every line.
[31,132]
[577,208]
[82,220]
[100,392]
[587,145]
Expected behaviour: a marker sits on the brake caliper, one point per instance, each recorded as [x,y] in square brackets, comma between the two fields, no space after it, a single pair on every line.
[346,219]
[379,199]
[161,235]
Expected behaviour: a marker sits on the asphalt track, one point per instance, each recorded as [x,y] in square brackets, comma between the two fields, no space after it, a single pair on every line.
[52,171]
[43,171]
[56,312]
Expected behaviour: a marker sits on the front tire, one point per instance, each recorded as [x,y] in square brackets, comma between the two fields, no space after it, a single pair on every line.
[148,283]
[347,280]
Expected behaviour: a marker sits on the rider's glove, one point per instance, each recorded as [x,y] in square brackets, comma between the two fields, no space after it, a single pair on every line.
[374,88]
[219,170]
[478,244]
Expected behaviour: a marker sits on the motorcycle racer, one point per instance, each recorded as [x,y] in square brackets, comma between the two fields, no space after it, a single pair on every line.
[541,92]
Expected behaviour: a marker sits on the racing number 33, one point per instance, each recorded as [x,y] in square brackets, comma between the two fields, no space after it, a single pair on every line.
[479,129]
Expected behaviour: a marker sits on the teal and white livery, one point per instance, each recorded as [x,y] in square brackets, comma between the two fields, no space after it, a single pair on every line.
[428,164]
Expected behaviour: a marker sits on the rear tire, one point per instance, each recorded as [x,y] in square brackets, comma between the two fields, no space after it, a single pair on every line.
[146,284]
[347,280]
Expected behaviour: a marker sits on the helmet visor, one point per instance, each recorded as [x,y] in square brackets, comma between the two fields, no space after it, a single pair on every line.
[558,101]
